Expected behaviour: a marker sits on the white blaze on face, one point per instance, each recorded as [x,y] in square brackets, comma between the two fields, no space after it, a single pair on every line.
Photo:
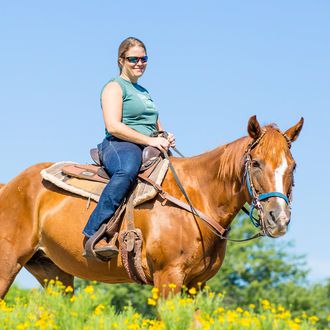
[279,172]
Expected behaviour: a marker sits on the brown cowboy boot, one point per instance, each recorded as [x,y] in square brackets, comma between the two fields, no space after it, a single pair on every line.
[105,249]
[102,250]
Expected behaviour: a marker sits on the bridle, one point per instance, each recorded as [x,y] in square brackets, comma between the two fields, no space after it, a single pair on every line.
[257,198]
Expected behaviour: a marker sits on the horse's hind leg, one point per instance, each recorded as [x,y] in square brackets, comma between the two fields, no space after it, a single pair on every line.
[42,268]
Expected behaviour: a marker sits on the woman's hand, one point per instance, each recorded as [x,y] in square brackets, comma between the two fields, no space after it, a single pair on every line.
[159,142]
[171,139]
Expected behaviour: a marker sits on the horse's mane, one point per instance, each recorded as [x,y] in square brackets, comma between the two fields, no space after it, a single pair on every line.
[232,154]
[231,159]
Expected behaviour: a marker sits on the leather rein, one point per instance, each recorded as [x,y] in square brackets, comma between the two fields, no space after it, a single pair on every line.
[214,226]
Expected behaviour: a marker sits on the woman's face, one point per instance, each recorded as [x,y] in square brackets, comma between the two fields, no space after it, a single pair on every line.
[133,70]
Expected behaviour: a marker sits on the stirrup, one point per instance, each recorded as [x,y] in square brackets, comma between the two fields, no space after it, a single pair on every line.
[89,245]
[108,251]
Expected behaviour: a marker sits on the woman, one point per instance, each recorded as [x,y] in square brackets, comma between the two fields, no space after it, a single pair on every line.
[130,118]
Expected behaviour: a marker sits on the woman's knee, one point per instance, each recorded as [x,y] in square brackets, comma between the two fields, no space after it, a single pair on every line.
[131,160]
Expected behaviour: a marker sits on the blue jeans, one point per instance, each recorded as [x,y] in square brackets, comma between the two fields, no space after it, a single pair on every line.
[122,161]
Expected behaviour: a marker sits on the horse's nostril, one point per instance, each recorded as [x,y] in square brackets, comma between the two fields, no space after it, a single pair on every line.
[271,213]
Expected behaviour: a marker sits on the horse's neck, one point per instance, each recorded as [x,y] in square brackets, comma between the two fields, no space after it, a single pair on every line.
[215,179]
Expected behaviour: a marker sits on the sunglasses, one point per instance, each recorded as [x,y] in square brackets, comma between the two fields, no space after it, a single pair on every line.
[135,59]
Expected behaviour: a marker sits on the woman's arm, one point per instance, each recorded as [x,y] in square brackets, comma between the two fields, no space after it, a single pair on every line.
[112,105]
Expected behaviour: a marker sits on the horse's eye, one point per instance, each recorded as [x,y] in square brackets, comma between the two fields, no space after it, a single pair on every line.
[255,164]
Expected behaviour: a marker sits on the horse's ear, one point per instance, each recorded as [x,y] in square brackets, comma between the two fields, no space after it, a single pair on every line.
[293,132]
[254,128]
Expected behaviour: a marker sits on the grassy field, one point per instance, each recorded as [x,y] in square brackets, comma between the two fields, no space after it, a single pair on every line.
[58,308]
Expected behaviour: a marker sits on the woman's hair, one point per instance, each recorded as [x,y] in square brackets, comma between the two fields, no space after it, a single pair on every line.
[126,45]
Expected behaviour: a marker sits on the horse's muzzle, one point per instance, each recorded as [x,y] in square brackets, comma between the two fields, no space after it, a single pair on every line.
[277,218]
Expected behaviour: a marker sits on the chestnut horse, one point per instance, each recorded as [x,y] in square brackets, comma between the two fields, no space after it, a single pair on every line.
[41,225]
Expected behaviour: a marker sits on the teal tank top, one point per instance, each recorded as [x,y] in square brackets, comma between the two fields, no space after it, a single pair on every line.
[139,111]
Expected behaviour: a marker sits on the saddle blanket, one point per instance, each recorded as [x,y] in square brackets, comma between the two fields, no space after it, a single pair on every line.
[91,189]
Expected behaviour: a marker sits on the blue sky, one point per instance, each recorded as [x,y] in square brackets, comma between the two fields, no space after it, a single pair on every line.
[212,65]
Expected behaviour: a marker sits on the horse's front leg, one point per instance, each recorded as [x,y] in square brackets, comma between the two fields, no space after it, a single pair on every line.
[169,280]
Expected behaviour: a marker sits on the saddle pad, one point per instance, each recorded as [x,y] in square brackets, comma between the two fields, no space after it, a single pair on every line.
[90,189]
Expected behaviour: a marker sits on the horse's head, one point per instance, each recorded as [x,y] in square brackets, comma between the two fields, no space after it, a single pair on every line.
[269,174]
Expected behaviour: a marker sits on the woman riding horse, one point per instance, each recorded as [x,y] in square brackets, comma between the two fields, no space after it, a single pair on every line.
[130,118]
[41,224]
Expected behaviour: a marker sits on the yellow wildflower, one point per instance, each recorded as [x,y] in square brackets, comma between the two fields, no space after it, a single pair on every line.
[172,286]
[192,291]
[265,304]
[98,310]
[313,319]
[69,289]
[151,302]
[89,289]
[219,310]
[154,292]
[4,307]
[59,284]
[297,320]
